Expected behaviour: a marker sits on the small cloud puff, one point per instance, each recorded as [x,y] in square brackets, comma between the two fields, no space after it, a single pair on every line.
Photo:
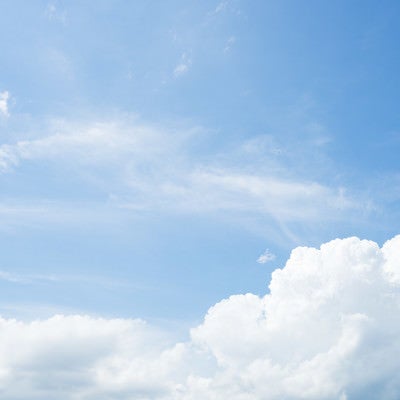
[53,13]
[265,257]
[229,43]
[180,69]
[183,65]
[328,329]
[4,97]
[221,6]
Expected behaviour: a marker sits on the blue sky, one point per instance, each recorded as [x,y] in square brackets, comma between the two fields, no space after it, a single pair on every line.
[199,200]
[152,151]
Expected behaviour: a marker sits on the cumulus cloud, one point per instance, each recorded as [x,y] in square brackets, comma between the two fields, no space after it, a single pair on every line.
[4,97]
[328,329]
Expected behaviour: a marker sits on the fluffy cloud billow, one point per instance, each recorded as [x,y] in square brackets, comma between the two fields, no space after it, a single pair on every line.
[329,328]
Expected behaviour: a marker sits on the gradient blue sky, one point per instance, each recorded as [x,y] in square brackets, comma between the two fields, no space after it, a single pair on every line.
[152,151]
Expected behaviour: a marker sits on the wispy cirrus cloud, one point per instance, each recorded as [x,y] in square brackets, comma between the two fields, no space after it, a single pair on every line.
[143,166]
[24,278]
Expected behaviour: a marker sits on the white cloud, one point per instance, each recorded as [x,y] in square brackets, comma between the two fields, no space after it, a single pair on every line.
[265,257]
[285,199]
[7,276]
[60,63]
[183,66]
[53,13]
[221,6]
[328,329]
[31,279]
[89,144]
[229,43]
[4,97]
[180,69]
[51,10]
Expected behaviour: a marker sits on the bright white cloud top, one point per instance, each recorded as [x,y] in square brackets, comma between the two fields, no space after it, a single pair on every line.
[328,329]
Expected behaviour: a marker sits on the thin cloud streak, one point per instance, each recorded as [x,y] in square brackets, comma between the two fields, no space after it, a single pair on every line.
[99,281]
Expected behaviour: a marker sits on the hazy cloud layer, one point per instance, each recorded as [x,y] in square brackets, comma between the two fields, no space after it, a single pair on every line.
[328,329]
